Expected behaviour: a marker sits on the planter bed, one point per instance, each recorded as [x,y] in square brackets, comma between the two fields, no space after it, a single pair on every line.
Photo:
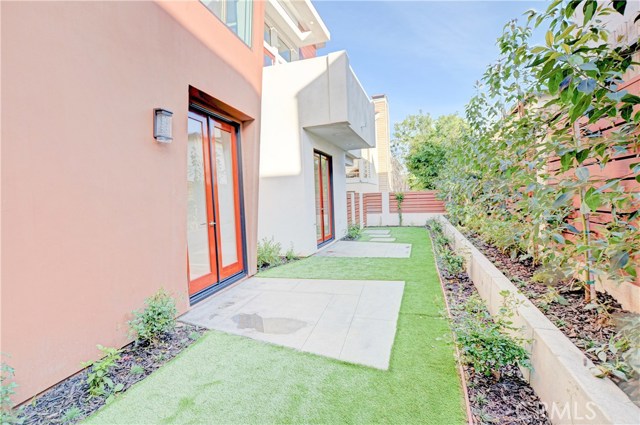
[72,394]
[506,400]
[562,374]
[586,328]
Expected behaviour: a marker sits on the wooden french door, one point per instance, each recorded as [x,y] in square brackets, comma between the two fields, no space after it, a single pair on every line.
[214,228]
[324,197]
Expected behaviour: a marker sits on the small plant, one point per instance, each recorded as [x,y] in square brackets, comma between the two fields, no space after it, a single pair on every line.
[454,263]
[136,369]
[194,336]
[158,318]
[98,379]
[8,415]
[290,255]
[480,399]
[269,253]
[71,414]
[434,225]
[483,343]
[399,199]
[353,232]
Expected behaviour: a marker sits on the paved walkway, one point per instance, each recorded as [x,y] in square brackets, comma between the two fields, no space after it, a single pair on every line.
[350,320]
[367,250]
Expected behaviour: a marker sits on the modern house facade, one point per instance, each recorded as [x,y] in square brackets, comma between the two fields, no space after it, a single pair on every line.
[314,112]
[373,171]
[98,211]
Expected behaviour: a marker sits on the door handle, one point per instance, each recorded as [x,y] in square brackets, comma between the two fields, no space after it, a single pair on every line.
[212,223]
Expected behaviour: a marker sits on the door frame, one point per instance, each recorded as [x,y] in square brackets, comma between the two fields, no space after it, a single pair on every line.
[212,114]
[321,243]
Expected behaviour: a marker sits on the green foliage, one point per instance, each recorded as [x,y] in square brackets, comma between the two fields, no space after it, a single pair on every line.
[534,104]
[269,253]
[483,343]
[136,369]
[8,415]
[452,262]
[100,384]
[423,143]
[71,414]
[353,232]
[290,255]
[399,200]
[157,318]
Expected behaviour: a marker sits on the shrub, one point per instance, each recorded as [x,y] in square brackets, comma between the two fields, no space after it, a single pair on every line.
[353,232]
[453,263]
[156,319]
[290,255]
[8,415]
[483,343]
[98,377]
[269,253]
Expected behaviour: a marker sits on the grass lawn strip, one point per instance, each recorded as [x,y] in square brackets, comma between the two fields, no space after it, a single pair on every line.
[229,379]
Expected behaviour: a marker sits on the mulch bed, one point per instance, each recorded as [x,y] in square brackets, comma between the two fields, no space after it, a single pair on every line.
[508,400]
[584,327]
[73,393]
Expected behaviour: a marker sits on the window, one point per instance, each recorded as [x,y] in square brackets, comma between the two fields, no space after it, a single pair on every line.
[267,34]
[268,58]
[236,14]
[284,51]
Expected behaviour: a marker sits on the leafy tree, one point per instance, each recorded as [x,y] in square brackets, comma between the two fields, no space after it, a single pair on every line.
[423,143]
[537,106]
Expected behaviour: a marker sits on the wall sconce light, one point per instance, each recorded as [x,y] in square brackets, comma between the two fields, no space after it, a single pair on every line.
[162,128]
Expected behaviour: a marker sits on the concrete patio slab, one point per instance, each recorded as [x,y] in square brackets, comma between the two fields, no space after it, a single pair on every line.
[378,239]
[350,320]
[367,250]
[376,232]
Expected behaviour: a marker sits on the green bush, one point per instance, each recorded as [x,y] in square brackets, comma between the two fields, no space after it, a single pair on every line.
[269,253]
[453,263]
[158,317]
[98,377]
[8,415]
[483,343]
[353,232]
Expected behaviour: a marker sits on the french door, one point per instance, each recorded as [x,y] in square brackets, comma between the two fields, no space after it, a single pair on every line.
[324,197]
[214,227]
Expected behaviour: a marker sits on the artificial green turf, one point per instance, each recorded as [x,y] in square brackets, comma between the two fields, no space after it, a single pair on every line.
[230,379]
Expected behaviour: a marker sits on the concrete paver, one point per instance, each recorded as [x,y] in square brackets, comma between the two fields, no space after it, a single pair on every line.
[367,250]
[350,320]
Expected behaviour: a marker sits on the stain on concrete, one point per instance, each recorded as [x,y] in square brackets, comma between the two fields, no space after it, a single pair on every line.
[268,325]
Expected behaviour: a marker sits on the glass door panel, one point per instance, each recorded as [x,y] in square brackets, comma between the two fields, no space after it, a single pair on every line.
[200,237]
[316,168]
[214,232]
[224,151]
[324,198]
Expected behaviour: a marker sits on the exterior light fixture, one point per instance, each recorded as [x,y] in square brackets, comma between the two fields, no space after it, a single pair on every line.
[162,128]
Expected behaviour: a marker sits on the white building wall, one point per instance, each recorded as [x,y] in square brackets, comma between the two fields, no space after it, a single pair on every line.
[319,93]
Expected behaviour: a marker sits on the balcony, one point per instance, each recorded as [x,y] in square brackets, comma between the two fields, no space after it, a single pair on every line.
[327,97]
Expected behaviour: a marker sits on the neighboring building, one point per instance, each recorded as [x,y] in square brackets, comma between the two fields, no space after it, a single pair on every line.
[96,214]
[314,112]
[373,170]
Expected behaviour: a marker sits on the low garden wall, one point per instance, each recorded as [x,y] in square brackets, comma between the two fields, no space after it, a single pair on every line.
[560,374]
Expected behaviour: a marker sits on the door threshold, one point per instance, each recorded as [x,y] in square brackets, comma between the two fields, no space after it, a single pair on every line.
[215,289]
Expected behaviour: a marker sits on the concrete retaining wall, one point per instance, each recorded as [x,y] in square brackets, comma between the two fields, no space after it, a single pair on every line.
[561,373]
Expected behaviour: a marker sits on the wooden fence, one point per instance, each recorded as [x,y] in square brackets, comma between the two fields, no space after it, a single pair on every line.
[381,208]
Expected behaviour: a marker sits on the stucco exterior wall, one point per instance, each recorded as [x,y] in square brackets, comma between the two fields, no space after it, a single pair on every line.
[93,209]
[307,93]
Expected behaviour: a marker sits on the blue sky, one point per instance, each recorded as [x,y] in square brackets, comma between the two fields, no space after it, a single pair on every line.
[424,55]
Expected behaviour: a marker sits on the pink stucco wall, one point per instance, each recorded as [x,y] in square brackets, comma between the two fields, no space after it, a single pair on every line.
[93,209]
